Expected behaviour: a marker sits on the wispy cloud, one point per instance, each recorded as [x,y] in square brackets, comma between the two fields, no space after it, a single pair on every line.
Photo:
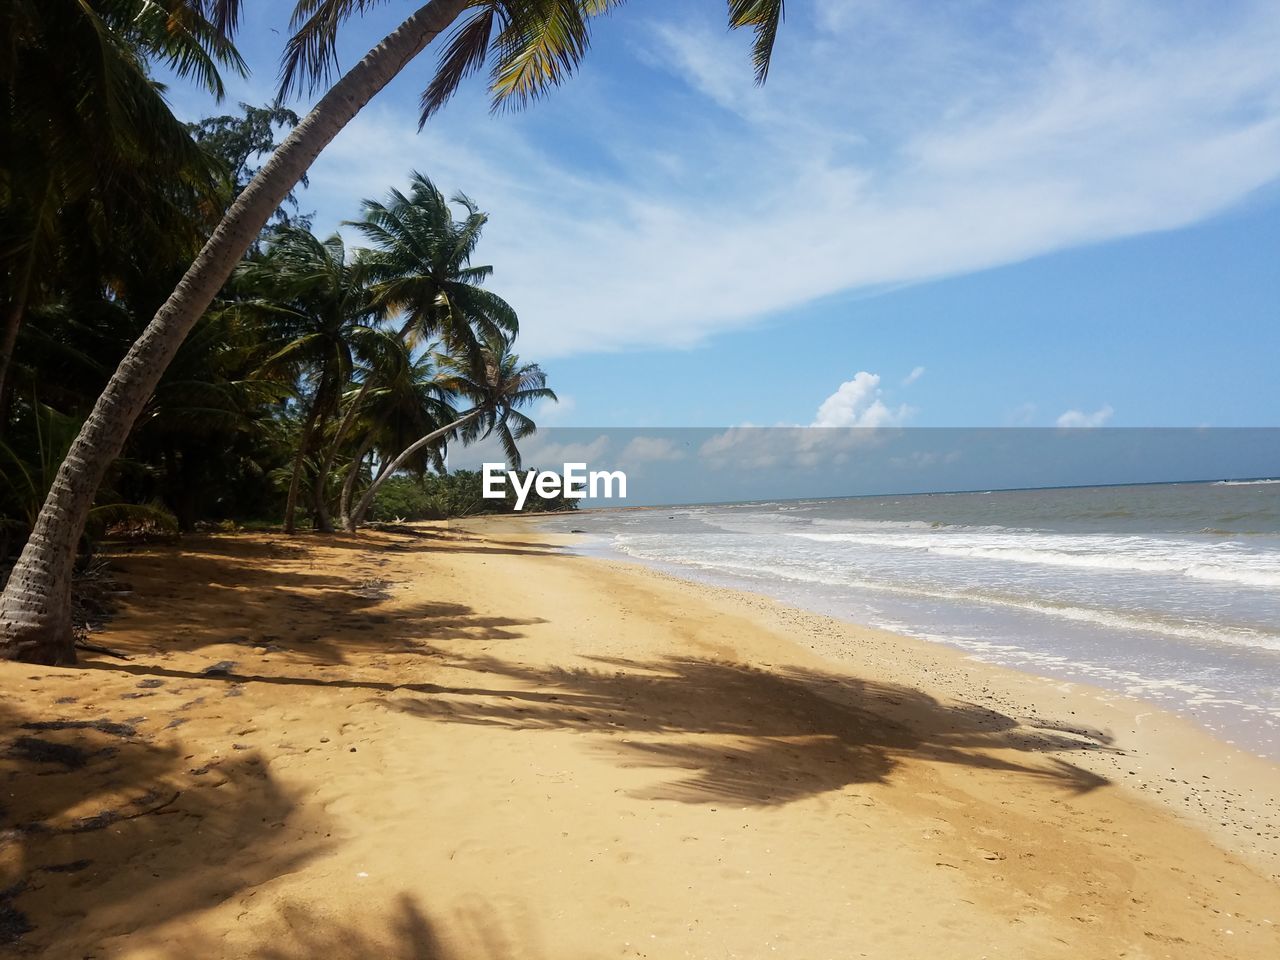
[651,450]
[894,143]
[913,376]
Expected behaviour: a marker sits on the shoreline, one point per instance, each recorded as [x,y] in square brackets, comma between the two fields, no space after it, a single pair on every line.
[1237,798]
[1238,789]
[1246,725]
[465,741]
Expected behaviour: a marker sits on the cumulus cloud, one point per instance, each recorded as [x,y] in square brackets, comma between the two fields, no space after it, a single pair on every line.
[854,416]
[1078,418]
[857,403]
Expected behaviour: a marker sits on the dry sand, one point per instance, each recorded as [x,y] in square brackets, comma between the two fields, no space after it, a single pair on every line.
[463,743]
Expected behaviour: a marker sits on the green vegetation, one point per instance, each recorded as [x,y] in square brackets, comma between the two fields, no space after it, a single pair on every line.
[318,373]
[138,263]
[457,494]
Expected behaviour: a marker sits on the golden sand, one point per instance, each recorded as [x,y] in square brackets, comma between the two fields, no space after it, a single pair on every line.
[463,743]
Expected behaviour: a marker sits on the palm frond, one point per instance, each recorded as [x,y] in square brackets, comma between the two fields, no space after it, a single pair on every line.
[178,32]
[462,56]
[539,46]
[311,53]
[764,17]
[223,15]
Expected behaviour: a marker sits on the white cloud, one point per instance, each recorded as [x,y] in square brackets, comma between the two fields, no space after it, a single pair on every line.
[913,376]
[894,142]
[1078,418]
[857,403]
[853,416]
[650,449]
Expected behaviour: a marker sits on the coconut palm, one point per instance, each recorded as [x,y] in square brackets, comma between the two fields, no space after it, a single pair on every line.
[25,479]
[533,45]
[91,146]
[497,384]
[321,306]
[412,397]
[210,414]
[420,270]
[420,267]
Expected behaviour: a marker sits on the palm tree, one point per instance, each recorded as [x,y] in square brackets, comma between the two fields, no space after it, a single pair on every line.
[534,44]
[496,383]
[412,397]
[420,269]
[321,306]
[91,145]
[211,413]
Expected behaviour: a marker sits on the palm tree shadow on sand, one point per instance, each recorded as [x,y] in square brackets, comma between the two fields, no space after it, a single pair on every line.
[101,818]
[758,737]
[473,930]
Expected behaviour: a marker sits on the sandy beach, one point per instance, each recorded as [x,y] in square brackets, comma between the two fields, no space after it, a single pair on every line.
[461,741]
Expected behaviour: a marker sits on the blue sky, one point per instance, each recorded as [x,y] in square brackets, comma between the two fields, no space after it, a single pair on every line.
[978,214]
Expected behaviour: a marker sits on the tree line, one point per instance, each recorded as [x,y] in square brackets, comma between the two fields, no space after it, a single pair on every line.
[317,373]
[123,238]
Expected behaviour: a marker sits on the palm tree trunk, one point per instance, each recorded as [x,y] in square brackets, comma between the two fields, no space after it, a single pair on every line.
[35,609]
[366,501]
[351,479]
[299,458]
[326,467]
[321,522]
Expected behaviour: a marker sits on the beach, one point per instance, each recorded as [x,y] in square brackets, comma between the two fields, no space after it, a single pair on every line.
[466,741]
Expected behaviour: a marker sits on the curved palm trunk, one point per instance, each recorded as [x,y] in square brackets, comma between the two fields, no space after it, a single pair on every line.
[326,467]
[366,501]
[351,479]
[320,520]
[35,609]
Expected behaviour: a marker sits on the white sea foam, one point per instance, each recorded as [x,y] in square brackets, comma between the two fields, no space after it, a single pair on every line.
[776,567]
[1167,592]
[1203,561]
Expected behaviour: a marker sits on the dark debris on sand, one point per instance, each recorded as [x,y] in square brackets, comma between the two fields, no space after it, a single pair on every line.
[35,750]
[102,726]
[13,922]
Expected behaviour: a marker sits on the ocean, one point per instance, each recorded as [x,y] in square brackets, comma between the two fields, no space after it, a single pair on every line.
[1167,592]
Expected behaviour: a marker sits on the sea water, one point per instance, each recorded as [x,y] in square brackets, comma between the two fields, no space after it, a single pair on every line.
[1168,592]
